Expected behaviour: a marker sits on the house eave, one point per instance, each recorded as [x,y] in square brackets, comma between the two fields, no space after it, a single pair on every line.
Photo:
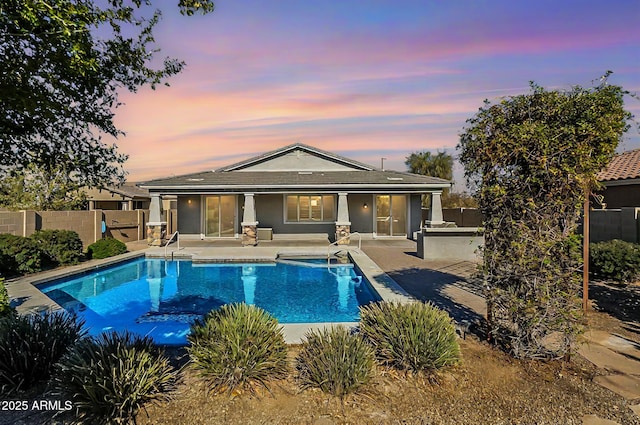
[353,188]
[621,182]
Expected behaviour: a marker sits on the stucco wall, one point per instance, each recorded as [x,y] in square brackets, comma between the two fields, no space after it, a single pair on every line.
[459,243]
[415,214]
[270,213]
[189,215]
[361,218]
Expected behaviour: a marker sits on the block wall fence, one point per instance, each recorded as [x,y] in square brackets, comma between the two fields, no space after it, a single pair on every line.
[126,226]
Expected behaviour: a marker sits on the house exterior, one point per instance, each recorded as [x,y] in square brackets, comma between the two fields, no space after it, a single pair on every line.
[622,181]
[127,197]
[295,190]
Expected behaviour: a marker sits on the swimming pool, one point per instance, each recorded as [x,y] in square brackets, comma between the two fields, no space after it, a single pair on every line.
[161,298]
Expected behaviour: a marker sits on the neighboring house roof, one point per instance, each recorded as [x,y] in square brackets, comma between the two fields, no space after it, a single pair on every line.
[297,167]
[128,190]
[623,166]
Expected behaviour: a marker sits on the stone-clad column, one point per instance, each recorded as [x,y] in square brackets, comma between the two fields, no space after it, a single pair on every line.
[156,226]
[343,225]
[249,222]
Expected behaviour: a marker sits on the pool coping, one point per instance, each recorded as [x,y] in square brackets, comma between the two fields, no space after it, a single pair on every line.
[32,300]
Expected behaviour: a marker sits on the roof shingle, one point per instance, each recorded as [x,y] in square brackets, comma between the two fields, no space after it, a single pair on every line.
[623,166]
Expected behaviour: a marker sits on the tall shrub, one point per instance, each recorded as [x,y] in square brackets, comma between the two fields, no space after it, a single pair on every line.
[617,260]
[531,158]
[62,246]
[20,255]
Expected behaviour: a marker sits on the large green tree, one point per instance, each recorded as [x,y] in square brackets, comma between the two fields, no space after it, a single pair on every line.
[531,158]
[63,64]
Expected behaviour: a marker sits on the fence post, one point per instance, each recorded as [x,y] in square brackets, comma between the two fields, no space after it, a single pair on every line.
[97,221]
[28,223]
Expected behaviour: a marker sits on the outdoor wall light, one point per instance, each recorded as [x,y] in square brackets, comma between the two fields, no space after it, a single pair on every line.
[189,201]
[365,206]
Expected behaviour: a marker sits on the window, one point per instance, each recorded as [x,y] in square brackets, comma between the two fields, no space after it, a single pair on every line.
[310,208]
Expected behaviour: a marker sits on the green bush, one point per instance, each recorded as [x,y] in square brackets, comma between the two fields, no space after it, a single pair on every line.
[617,260]
[31,345]
[20,255]
[414,336]
[110,377]
[5,304]
[62,246]
[335,361]
[104,248]
[237,347]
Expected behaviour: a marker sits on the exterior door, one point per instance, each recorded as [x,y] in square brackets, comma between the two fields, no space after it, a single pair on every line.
[220,216]
[391,215]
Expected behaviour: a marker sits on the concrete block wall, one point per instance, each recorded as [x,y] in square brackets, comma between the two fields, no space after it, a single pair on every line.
[12,222]
[88,224]
[123,225]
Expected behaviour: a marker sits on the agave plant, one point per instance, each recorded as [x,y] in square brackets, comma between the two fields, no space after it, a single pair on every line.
[238,347]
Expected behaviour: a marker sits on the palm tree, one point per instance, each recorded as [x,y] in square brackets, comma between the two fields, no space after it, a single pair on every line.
[439,165]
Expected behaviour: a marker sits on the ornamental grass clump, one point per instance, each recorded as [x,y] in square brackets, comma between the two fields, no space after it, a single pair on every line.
[335,361]
[237,348]
[110,377]
[414,336]
[31,345]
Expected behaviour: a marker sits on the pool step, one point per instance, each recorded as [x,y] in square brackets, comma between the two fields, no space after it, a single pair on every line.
[303,263]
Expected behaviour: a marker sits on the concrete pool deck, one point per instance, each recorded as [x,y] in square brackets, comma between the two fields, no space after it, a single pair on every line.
[390,265]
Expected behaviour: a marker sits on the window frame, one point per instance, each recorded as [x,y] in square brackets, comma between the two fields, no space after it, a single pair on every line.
[321,208]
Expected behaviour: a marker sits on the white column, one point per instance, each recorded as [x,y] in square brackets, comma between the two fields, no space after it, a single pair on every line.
[249,214]
[435,209]
[156,216]
[343,210]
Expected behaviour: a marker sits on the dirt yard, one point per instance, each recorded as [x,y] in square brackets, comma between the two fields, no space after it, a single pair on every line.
[488,387]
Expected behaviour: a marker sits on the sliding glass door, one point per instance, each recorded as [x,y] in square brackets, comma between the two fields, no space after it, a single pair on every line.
[391,215]
[220,216]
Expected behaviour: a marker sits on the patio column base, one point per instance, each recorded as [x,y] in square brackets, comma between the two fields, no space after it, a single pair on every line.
[156,233]
[249,234]
[343,231]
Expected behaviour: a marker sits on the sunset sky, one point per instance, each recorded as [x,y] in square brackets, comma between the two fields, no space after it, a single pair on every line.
[365,79]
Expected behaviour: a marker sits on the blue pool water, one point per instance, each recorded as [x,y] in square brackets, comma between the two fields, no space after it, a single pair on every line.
[161,298]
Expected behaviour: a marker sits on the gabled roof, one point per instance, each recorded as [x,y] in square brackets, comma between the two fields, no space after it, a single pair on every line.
[292,180]
[297,168]
[623,166]
[329,156]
